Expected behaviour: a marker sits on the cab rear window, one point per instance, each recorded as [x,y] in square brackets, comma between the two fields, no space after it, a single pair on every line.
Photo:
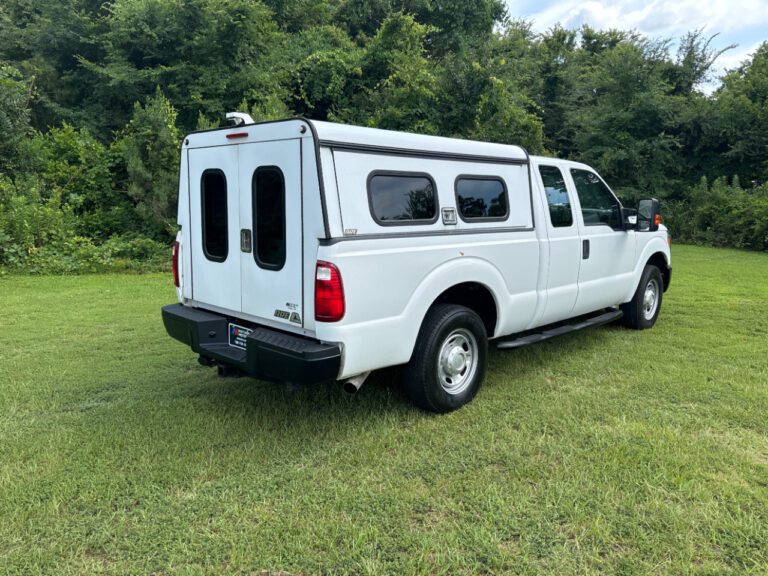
[557,196]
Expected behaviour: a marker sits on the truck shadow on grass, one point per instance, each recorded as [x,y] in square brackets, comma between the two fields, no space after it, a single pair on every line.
[187,417]
[382,394]
[248,420]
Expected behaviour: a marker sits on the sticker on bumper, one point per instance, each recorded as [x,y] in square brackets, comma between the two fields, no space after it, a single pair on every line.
[237,335]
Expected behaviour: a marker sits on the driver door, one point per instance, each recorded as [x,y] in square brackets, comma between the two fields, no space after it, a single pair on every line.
[607,250]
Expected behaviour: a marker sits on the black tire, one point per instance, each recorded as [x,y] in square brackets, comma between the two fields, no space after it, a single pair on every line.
[451,337]
[638,313]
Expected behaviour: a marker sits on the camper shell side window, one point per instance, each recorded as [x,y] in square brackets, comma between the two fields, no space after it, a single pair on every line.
[402,198]
[481,198]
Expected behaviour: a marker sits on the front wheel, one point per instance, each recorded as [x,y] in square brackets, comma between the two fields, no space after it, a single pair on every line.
[449,359]
[642,311]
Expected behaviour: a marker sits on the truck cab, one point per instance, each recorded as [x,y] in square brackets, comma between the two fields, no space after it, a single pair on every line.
[310,251]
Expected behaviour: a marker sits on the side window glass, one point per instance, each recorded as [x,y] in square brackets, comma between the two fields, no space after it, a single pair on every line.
[268,204]
[598,205]
[481,198]
[557,196]
[213,193]
[402,198]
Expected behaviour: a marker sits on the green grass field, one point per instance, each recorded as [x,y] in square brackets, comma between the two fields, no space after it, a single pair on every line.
[608,451]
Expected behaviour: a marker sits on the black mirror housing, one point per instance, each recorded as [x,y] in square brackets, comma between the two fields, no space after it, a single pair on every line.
[648,215]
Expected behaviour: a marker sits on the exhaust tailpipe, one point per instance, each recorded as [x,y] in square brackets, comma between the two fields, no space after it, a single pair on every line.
[352,385]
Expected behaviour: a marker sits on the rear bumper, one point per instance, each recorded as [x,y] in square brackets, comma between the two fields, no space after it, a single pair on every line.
[269,354]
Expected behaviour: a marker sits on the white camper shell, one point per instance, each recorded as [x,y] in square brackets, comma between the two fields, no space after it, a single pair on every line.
[310,251]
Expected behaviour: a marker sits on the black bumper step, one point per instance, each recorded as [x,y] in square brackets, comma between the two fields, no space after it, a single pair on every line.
[269,354]
[545,333]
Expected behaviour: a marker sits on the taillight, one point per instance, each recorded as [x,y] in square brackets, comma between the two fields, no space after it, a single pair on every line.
[329,293]
[176,264]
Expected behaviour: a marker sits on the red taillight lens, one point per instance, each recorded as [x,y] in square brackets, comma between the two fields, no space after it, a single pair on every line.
[176,264]
[329,293]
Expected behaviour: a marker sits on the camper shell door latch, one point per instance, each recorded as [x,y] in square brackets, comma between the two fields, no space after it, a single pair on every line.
[245,240]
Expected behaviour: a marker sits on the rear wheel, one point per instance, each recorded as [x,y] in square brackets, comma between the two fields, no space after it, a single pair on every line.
[642,311]
[449,359]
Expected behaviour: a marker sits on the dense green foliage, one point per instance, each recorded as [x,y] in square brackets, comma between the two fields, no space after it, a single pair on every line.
[94,97]
[722,215]
[606,452]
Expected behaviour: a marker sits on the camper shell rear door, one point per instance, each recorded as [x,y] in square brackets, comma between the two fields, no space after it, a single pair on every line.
[245,203]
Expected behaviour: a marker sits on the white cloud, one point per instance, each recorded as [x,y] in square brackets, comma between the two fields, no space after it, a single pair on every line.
[655,18]
[733,58]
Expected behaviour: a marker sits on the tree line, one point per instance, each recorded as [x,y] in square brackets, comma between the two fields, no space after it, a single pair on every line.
[95,96]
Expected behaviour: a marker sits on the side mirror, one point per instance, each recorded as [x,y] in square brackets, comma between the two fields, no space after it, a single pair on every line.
[629,217]
[648,215]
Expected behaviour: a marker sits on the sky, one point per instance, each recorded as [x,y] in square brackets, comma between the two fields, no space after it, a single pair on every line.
[742,22]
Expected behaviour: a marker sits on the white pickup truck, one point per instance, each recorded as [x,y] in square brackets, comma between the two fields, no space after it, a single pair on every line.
[311,251]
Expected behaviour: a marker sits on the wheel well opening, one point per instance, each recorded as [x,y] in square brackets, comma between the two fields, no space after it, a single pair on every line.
[476,297]
[660,262]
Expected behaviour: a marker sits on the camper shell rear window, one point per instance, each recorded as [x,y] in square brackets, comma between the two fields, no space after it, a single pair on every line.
[213,193]
[402,198]
[268,205]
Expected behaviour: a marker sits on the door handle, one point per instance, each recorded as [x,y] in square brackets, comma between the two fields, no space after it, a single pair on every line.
[585,249]
[245,240]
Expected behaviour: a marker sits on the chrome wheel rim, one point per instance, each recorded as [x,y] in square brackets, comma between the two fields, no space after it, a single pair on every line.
[650,299]
[457,361]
